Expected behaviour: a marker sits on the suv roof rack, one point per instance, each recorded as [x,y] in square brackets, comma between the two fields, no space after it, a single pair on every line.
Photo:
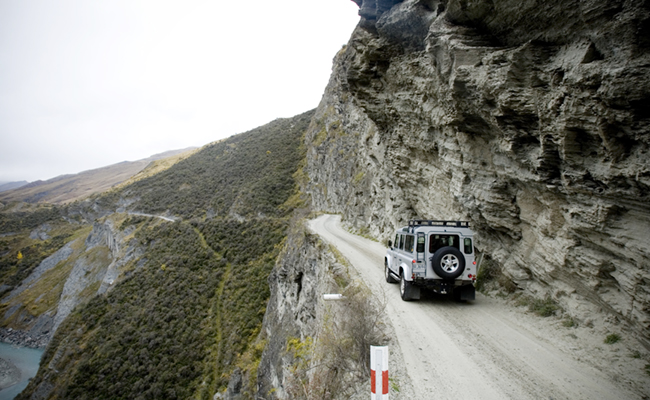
[434,222]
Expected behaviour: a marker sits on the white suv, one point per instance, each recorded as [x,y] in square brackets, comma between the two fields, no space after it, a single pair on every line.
[437,255]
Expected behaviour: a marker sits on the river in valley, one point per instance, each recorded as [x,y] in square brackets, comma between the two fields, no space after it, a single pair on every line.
[26,360]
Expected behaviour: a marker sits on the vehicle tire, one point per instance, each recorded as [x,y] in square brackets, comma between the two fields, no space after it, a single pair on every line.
[404,288]
[389,277]
[448,262]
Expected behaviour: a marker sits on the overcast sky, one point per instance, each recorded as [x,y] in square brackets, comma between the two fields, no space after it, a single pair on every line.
[85,84]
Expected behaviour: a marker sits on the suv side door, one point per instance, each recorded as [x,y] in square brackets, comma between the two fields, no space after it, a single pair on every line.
[399,245]
[394,252]
[407,242]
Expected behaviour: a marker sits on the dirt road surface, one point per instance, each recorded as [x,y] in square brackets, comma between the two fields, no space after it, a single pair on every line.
[481,349]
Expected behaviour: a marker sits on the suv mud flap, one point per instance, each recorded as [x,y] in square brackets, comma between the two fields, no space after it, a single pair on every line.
[413,292]
[467,292]
[408,291]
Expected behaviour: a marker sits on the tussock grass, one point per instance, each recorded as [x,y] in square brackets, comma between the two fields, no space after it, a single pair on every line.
[612,338]
[545,307]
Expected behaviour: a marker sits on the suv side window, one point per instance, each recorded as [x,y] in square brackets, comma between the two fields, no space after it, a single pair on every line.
[401,242]
[420,243]
[396,242]
[467,244]
[408,246]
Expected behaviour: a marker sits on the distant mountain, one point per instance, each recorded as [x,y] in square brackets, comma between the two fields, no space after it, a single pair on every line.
[5,186]
[67,188]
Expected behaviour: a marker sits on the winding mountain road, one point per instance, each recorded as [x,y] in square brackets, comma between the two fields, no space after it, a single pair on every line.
[475,350]
[139,214]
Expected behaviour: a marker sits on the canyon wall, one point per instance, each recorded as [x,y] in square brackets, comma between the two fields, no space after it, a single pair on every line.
[529,119]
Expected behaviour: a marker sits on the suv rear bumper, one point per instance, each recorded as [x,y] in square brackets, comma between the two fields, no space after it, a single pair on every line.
[444,287]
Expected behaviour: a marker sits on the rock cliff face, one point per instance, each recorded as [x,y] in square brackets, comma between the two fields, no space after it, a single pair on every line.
[295,309]
[79,270]
[530,119]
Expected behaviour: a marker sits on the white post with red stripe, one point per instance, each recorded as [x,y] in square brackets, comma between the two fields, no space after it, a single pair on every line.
[378,372]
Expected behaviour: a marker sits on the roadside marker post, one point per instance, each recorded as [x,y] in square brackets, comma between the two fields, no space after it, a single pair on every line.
[333,297]
[379,372]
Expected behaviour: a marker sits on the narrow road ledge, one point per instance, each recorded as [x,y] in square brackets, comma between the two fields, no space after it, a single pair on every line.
[489,348]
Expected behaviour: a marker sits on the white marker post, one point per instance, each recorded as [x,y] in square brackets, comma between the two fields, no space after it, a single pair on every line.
[333,297]
[379,372]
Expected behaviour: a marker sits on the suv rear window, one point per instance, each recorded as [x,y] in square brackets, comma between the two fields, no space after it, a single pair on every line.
[437,242]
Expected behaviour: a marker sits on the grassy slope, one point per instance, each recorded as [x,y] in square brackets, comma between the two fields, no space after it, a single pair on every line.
[194,303]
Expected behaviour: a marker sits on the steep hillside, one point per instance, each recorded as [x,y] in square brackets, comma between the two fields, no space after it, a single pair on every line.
[528,119]
[36,255]
[68,188]
[218,180]
[166,307]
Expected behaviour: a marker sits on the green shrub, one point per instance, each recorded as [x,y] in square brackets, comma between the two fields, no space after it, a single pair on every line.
[490,275]
[544,307]
[612,338]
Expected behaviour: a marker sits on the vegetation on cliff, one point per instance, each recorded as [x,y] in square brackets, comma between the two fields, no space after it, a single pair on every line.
[248,175]
[182,316]
[22,248]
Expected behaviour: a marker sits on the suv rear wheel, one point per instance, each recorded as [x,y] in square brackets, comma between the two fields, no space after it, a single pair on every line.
[405,288]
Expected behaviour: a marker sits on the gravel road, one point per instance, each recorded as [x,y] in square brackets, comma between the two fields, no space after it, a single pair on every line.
[481,349]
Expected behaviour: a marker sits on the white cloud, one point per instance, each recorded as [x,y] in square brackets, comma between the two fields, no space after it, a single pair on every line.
[86,84]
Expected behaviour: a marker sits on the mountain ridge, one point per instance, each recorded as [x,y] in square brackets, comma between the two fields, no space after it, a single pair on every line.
[4,186]
[70,187]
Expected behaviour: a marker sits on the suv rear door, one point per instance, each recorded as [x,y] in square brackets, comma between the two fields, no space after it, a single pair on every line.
[438,241]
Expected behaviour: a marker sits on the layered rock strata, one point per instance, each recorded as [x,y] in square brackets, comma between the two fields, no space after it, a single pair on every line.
[529,119]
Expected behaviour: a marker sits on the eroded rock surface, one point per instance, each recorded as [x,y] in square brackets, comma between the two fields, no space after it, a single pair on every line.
[529,119]
[297,284]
